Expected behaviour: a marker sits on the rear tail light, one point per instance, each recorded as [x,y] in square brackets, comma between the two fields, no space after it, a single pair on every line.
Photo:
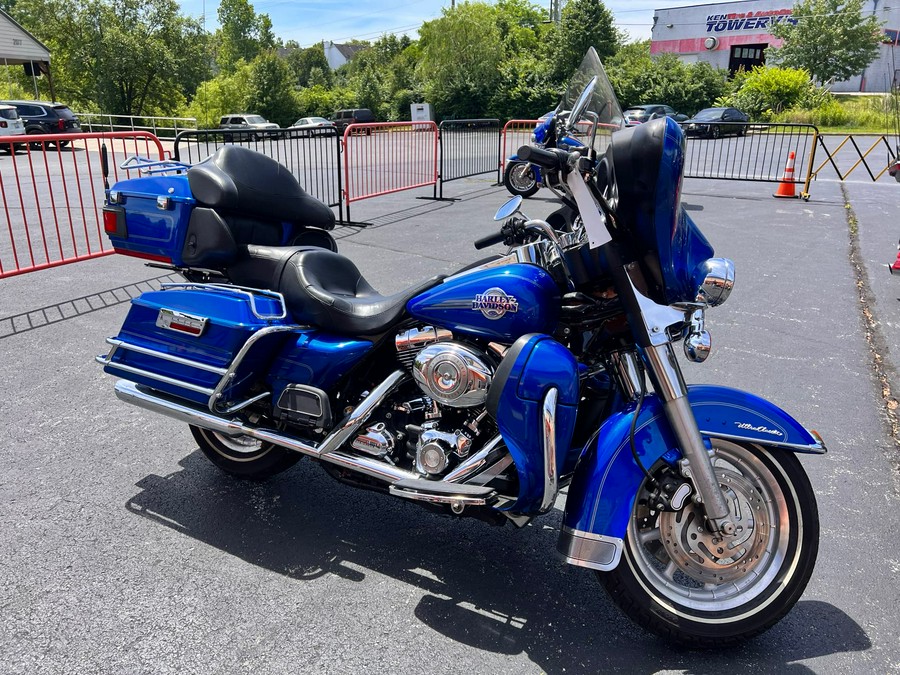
[114,221]
[61,124]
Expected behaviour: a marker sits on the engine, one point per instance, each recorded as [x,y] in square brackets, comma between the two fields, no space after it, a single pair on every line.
[445,421]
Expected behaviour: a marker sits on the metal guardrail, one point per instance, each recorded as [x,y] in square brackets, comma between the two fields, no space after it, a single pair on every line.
[312,155]
[161,127]
[750,152]
[52,192]
[468,148]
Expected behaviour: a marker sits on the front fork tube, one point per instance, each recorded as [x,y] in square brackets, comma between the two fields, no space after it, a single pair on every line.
[649,322]
[665,374]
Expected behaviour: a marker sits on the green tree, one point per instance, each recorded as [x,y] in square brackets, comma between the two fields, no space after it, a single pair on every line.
[271,89]
[583,24]
[831,39]
[303,61]
[525,90]
[226,93]
[242,34]
[461,56]
[127,57]
[637,78]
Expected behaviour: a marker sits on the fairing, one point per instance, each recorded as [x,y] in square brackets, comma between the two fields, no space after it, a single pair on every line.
[534,365]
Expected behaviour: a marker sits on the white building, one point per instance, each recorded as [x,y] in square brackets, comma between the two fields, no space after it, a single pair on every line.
[733,34]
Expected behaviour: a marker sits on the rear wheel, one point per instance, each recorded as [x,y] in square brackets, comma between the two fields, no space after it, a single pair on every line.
[519,179]
[242,456]
[35,132]
[681,581]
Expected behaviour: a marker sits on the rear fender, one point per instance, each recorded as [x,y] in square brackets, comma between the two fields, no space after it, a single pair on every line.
[607,479]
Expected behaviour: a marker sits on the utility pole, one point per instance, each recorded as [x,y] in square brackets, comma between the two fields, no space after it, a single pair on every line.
[555,10]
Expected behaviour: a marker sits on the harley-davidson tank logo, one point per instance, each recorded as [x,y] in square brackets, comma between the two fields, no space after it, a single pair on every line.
[494,303]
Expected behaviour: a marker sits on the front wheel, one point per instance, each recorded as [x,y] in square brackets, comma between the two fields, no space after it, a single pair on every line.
[242,456]
[687,584]
[519,179]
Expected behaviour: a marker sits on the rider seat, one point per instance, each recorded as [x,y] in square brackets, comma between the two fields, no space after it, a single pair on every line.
[323,288]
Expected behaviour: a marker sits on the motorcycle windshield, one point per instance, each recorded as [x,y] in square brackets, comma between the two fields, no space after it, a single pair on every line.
[601,108]
[648,162]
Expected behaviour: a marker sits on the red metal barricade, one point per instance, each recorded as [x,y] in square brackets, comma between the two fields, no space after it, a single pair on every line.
[516,133]
[381,158]
[52,192]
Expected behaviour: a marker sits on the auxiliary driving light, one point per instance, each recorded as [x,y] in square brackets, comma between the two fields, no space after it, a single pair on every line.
[718,282]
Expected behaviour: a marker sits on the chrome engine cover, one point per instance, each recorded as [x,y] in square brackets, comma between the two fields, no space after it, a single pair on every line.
[453,374]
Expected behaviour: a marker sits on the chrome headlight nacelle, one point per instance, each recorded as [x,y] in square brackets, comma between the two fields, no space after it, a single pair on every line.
[717,282]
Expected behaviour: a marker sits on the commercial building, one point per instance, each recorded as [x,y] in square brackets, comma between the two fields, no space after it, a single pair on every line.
[732,35]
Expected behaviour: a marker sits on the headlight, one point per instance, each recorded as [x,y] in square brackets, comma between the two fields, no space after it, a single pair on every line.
[718,281]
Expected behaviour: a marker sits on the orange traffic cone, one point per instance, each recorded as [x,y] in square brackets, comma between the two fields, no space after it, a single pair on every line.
[786,186]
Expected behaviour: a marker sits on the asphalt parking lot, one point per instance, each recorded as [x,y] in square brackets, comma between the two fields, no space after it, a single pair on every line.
[125,551]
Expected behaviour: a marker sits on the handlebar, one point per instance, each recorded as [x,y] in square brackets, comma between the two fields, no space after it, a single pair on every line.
[490,240]
[554,160]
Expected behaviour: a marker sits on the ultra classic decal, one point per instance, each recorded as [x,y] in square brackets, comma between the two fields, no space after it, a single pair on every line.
[494,303]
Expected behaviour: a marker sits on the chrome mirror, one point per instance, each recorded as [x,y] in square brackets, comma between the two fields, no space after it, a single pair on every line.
[509,208]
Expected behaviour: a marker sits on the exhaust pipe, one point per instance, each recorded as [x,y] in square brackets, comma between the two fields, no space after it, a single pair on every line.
[327,451]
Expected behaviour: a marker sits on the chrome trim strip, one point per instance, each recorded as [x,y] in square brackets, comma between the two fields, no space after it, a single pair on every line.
[166,357]
[585,549]
[352,422]
[251,293]
[229,374]
[815,448]
[153,376]
[548,426]
[438,499]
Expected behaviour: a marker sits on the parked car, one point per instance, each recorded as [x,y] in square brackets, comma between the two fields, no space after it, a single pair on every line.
[318,126]
[638,114]
[344,118]
[704,123]
[45,117]
[247,122]
[10,125]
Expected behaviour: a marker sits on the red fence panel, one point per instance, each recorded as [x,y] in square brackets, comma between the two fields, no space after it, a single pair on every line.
[516,133]
[52,192]
[381,158]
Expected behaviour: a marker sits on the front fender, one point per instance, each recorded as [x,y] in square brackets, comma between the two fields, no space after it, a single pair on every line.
[607,479]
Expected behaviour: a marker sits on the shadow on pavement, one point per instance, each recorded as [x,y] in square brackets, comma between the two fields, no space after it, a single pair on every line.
[499,590]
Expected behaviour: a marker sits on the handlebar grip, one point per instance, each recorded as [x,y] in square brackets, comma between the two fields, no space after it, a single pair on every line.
[489,240]
[549,159]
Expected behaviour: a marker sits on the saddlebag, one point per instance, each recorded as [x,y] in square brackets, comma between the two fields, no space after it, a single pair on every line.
[202,342]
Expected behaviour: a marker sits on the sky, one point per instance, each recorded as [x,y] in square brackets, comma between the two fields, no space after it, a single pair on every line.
[311,21]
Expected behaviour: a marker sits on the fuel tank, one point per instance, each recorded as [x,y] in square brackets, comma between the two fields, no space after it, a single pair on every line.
[500,304]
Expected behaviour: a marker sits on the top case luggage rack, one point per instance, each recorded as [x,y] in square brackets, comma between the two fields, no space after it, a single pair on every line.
[250,293]
[152,166]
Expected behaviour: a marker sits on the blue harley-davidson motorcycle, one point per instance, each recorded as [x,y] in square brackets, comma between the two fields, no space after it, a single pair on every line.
[487,392]
[524,178]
